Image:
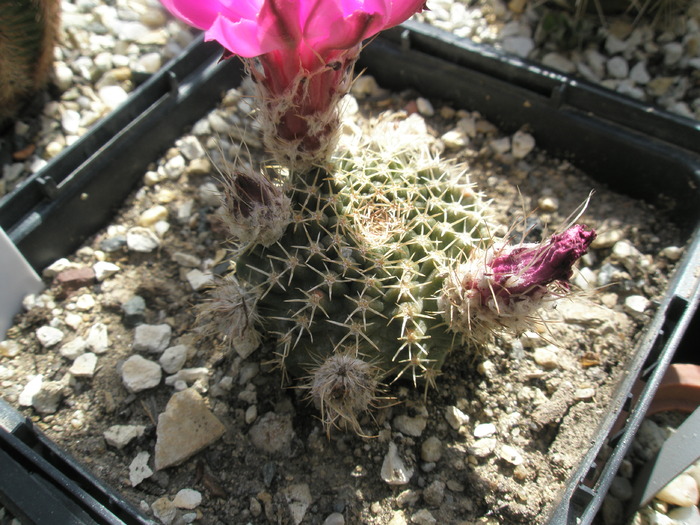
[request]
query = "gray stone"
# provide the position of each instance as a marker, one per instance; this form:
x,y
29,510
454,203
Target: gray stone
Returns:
x,y
434,493
518,45
140,374
423,517
84,365
431,450
298,499
334,519
134,310
173,358
617,67
187,499
152,338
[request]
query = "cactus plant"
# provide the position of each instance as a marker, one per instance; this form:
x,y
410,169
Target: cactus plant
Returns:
x,y
28,31
375,271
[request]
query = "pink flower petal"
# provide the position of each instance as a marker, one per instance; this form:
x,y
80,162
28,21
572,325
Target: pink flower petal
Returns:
x,y
199,14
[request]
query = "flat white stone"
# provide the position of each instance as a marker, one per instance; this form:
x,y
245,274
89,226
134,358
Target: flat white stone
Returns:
x,y
394,470
173,358
98,338
199,279
484,430
186,427
455,417
140,374
73,348
119,436
84,365
104,270
152,338
49,336
522,144
187,499
30,389
139,469
140,239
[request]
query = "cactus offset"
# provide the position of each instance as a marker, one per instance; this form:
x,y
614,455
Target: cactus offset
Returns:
x,y
28,31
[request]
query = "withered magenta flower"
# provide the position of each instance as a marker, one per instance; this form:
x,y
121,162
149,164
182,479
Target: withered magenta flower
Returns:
x,y
504,286
301,53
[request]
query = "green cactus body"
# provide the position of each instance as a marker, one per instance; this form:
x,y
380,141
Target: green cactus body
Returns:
x,y
362,263
28,30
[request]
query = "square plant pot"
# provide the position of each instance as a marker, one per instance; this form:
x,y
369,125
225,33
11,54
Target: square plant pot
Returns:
x,y
636,150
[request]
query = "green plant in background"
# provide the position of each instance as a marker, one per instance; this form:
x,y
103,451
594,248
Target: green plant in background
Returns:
x,y
28,32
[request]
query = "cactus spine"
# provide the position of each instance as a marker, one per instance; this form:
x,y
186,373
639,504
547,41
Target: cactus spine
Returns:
x,y
28,31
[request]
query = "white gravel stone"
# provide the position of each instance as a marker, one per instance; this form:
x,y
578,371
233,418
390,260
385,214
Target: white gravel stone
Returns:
x,y
187,499
187,260
511,455
455,417
140,374
299,499
70,121
617,67
636,304
85,302
685,515
140,239
49,396
49,336
410,426
673,52
164,510
639,74
30,389
104,270
394,470
501,145
547,357
483,447
188,376
173,358
682,491
150,62
455,139
112,96
186,427
9,349
84,365
424,106
152,215
119,436
559,62
199,280
139,469
334,519
98,338
522,144
518,45
153,338
484,430
431,450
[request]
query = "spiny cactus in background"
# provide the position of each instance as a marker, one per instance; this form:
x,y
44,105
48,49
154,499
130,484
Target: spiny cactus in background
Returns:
x,y
383,263
28,31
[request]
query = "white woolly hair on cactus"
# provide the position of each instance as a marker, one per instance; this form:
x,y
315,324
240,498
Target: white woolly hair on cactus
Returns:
x,y
343,387
230,312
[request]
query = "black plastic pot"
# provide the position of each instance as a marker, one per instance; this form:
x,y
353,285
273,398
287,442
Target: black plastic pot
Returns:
x,y
634,149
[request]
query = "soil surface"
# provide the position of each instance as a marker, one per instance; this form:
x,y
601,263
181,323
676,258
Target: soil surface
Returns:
x,y
544,393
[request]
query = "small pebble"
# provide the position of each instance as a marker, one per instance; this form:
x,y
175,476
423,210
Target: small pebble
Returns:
x,y
139,469
187,499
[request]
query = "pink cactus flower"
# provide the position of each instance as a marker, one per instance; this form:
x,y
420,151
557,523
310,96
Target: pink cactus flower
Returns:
x,y
301,53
